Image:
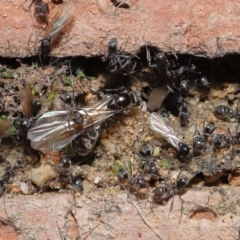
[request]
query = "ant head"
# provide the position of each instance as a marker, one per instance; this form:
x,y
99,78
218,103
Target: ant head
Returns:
x,y
46,43
203,82
66,98
209,128
65,161
184,149
182,182
76,182
112,45
25,123
36,107
123,174
161,58
146,150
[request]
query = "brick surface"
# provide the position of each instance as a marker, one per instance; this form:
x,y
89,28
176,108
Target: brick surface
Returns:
x,y
104,215
204,28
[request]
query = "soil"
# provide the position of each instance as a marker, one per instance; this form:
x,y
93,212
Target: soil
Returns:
x,y
118,147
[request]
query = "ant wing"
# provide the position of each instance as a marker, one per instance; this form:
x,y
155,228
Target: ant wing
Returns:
x,y
157,97
52,131
160,125
56,129
5,128
60,20
54,142
26,100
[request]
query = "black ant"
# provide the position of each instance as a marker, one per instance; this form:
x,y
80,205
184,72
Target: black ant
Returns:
x,y
168,190
184,152
134,184
150,166
76,116
209,129
41,11
184,88
120,60
64,168
76,182
123,174
178,106
222,141
5,179
200,141
186,79
184,114
202,82
162,68
223,111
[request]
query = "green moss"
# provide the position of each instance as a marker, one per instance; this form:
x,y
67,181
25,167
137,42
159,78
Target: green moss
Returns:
x,y
3,116
166,163
81,74
7,74
51,96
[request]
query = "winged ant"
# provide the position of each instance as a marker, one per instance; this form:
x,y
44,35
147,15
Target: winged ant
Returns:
x,y
162,126
56,129
60,20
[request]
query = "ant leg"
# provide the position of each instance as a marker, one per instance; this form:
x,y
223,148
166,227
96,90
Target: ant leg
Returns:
x,y
4,200
171,206
149,59
181,211
21,6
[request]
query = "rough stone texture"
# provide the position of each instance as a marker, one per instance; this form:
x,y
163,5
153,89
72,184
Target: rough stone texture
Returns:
x,y
212,214
204,28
